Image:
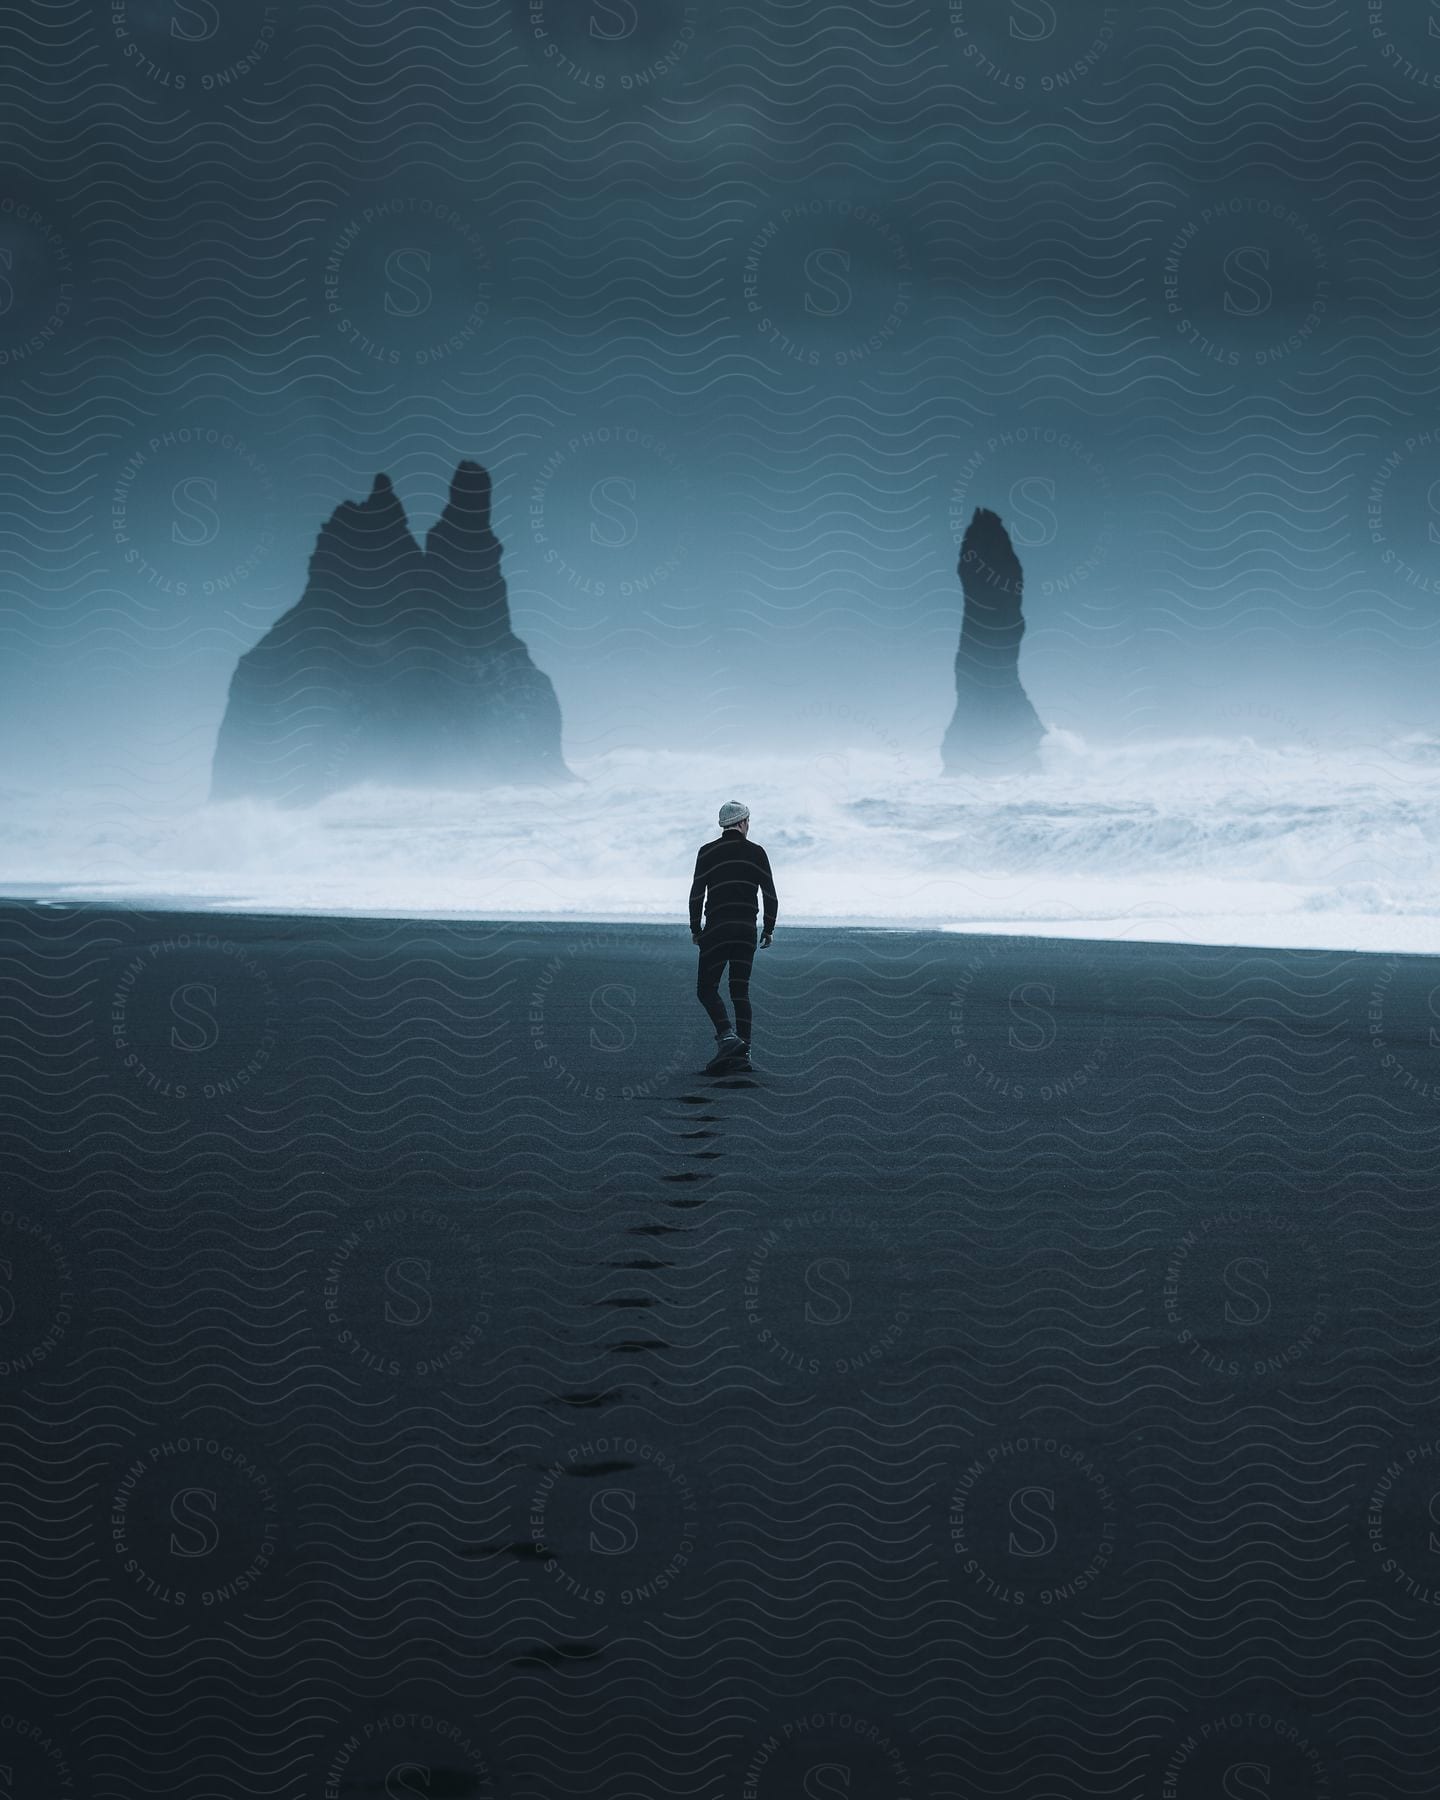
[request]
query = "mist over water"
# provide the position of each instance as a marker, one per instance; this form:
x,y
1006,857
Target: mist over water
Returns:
x,y
1218,840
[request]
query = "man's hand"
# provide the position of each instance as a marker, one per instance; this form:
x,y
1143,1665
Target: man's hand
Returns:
x,y
694,937
765,941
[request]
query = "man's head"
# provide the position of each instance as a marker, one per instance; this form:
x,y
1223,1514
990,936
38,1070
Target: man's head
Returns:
x,y
735,816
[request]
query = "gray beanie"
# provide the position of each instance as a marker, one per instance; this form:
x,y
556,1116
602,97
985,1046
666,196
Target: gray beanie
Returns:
x,y
732,812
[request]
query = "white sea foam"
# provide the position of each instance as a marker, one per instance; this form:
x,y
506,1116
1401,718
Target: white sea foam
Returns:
x,y
1202,840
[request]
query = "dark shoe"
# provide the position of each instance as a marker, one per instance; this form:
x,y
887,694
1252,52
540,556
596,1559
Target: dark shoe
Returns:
x,y
727,1048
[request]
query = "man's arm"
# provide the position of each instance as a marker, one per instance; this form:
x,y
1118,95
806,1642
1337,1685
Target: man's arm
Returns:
x,y
697,896
767,894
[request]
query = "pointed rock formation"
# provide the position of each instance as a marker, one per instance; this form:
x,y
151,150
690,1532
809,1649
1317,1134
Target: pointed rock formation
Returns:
x,y
397,665
995,730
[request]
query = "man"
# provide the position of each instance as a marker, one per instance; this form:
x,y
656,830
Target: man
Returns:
x,y
730,873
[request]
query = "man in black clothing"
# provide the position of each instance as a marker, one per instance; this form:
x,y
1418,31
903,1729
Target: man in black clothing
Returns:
x,y
730,874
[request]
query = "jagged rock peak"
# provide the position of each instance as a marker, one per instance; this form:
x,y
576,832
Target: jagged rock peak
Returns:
x,y
394,666
381,502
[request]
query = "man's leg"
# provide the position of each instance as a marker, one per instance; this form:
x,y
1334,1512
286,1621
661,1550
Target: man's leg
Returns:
x,y
714,952
742,958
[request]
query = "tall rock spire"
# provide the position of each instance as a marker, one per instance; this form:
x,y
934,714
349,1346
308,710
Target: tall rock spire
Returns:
x,y
396,665
995,730
462,559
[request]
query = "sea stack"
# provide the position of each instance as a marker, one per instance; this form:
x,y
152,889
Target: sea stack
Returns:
x,y
397,665
995,730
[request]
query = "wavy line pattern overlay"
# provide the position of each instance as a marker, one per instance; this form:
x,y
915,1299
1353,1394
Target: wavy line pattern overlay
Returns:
x,y
417,1378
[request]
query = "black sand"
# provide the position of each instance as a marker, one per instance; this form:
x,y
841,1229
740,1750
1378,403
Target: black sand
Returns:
x,y
419,1379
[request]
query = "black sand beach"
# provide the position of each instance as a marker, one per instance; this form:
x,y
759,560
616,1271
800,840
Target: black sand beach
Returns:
x,y
420,1379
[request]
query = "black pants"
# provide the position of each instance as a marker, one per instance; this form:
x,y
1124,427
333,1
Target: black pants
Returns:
x,y
723,945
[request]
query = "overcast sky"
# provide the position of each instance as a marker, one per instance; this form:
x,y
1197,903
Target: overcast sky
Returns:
x,y
747,308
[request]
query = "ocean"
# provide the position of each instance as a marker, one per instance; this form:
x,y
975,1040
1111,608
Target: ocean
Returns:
x,y
1198,840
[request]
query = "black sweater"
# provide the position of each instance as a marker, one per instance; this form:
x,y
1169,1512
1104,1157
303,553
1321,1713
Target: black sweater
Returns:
x,y
730,872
